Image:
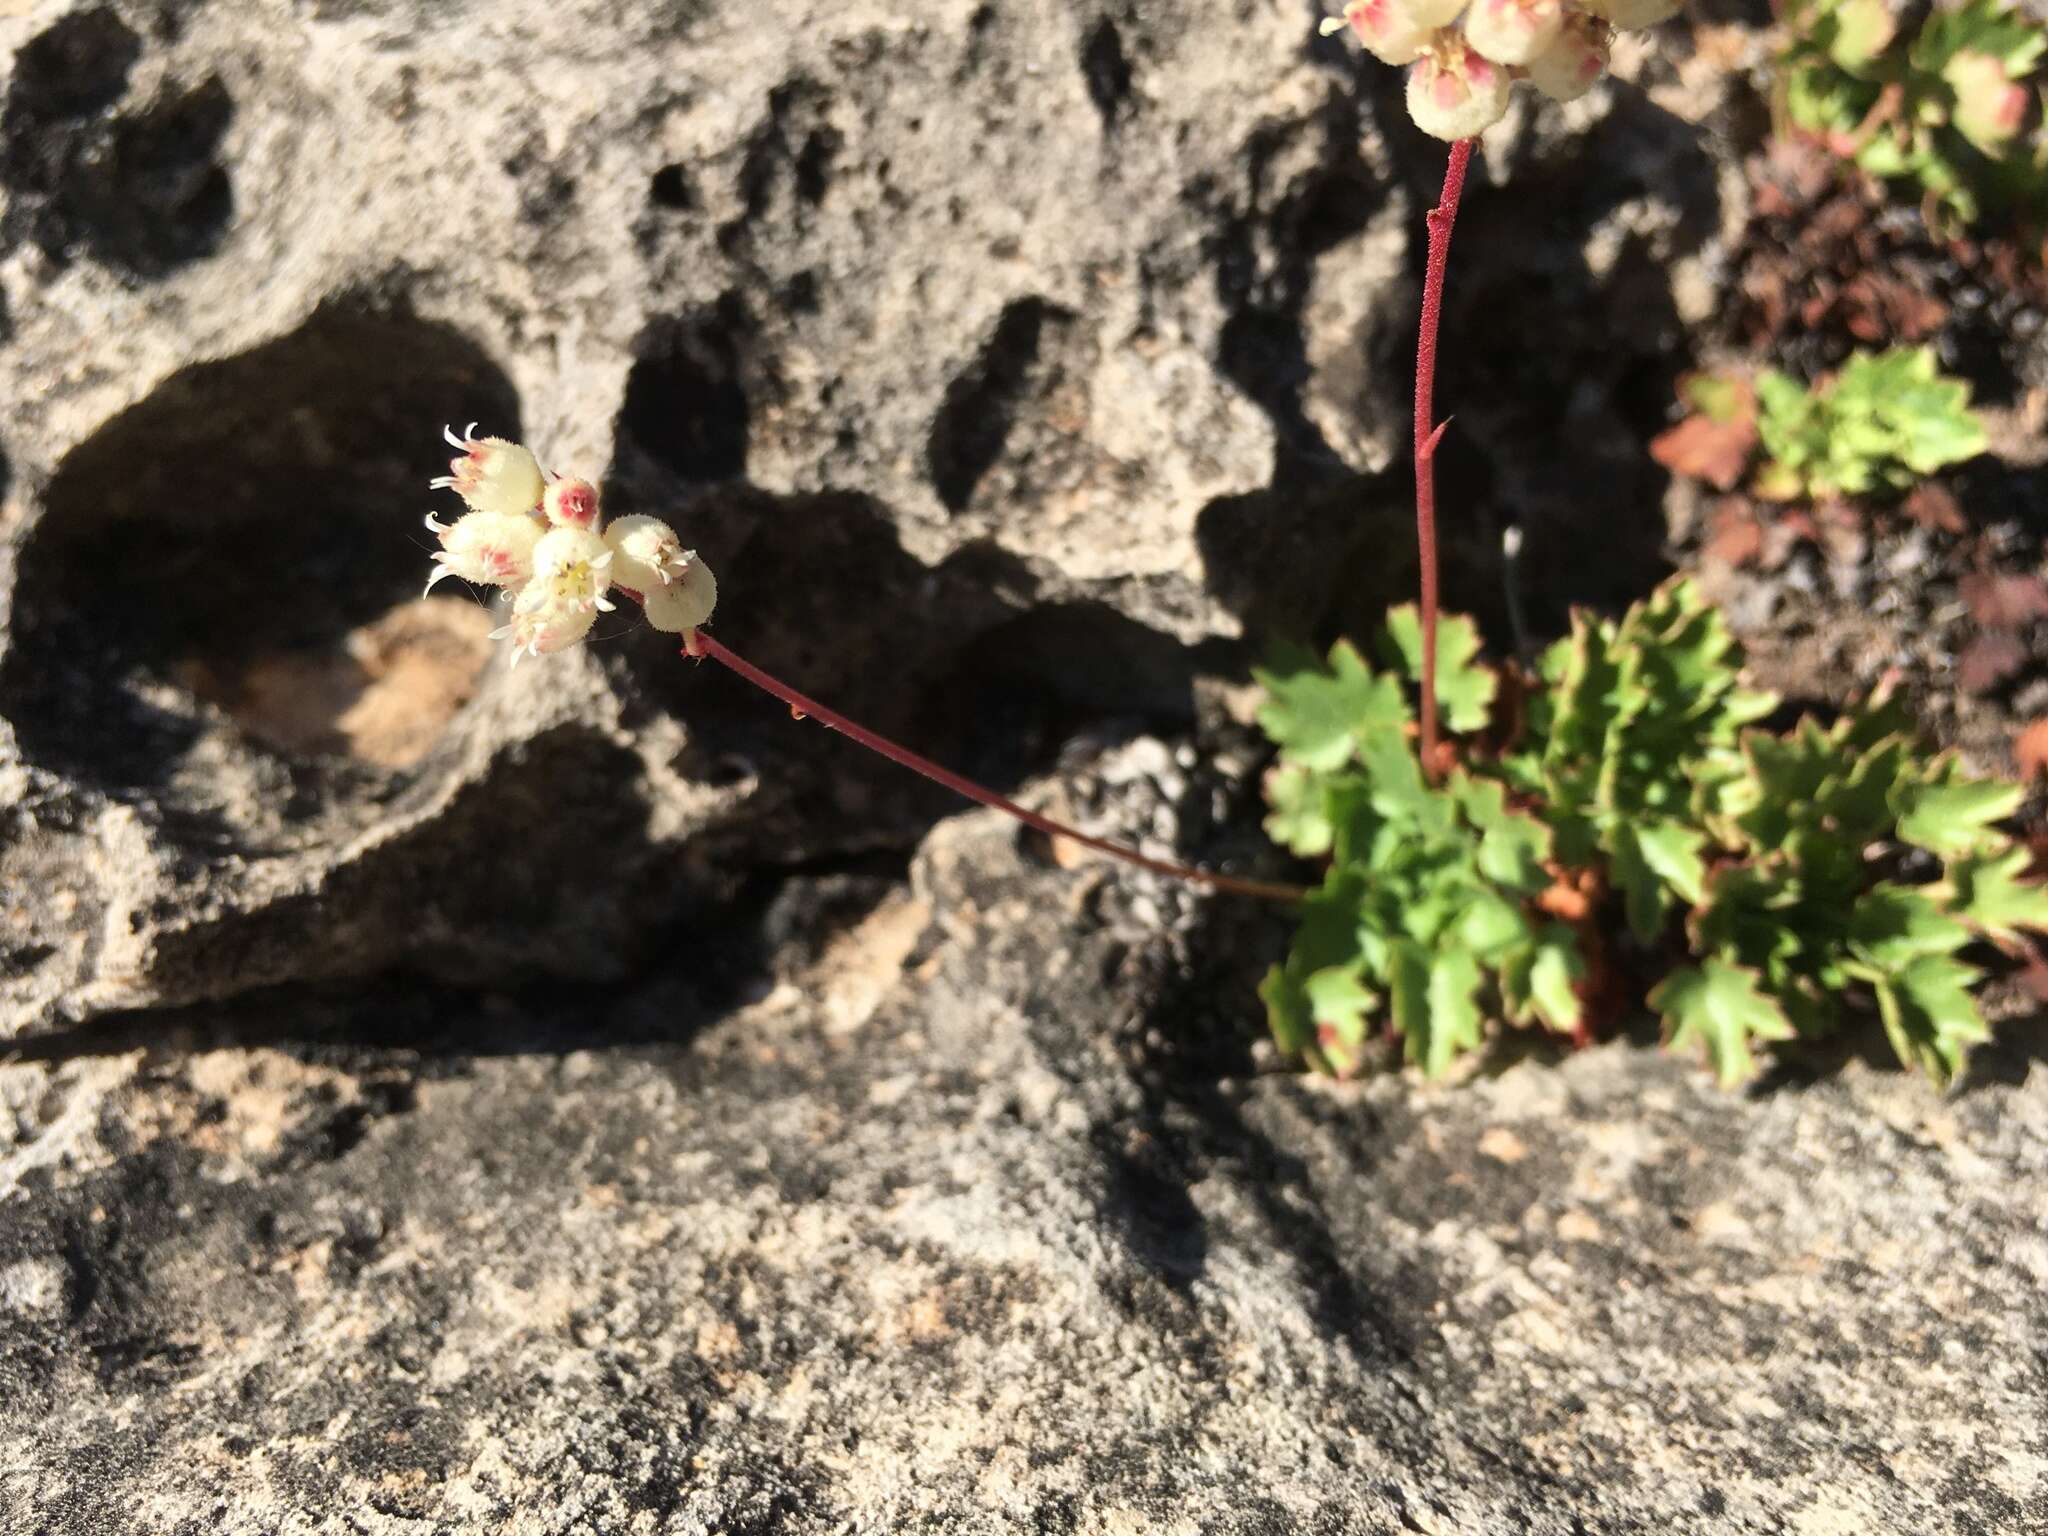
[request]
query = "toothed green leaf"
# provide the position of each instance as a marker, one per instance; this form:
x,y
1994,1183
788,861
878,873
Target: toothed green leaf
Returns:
x,y
1930,1016
1300,820
1950,815
1720,1009
1541,981
1434,1005
1316,715
1464,687
1991,894
1893,925
1340,1005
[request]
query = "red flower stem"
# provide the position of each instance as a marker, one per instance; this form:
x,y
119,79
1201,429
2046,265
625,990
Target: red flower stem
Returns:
x,y
701,644
1428,432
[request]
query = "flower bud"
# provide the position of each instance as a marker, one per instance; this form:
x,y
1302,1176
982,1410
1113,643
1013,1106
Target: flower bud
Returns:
x,y
577,563
1513,31
495,548
684,603
1566,70
492,475
547,616
1392,31
646,553
1990,106
1630,14
571,503
1454,93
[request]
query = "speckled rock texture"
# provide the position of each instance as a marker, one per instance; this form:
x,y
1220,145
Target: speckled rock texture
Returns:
x,y
435,1097
974,1215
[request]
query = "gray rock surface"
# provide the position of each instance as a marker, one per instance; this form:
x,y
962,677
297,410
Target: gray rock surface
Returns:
x,y
976,1217
578,1098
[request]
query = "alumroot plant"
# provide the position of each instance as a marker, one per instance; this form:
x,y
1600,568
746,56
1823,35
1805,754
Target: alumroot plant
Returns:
x,y
544,539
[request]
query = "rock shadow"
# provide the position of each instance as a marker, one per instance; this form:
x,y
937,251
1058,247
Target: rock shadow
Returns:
x,y
265,504
143,189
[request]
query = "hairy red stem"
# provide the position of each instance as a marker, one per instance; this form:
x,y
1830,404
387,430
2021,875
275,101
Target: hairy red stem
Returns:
x,y
701,644
1427,431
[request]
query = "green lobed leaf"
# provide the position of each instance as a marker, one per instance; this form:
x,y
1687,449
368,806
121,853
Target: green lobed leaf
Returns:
x,y
1930,1016
1513,846
1316,715
1300,819
1721,1009
1341,1006
1891,926
1464,687
1950,815
1436,1008
1990,894
1541,981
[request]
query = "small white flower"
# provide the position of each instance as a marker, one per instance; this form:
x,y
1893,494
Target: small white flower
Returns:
x,y
1513,31
492,475
646,553
1453,91
1629,14
1391,30
571,503
576,564
494,548
1566,70
684,603
547,616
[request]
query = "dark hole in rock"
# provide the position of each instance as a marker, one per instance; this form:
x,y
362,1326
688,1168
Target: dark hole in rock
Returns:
x,y
76,68
974,421
244,531
671,189
1106,69
143,191
686,403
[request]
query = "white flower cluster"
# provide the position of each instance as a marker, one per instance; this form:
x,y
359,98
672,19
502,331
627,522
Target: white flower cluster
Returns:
x,y
1458,81
541,538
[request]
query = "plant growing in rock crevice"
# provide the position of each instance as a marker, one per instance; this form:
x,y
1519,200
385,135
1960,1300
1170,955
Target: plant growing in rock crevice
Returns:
x,y
1765,880
1948,109
1864,437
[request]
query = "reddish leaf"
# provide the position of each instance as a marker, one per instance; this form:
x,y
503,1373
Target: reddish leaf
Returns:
x,y
2034,977
1934,506
2004,602
1737,537
2030,751
1713,443
1989,660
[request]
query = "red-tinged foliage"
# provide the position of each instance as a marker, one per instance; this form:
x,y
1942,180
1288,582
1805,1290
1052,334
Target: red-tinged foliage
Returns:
x,y
1989,660
1716,441
1998,601
2030,752
1933,505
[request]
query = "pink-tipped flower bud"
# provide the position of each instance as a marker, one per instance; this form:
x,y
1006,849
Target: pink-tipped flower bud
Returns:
x,y
571,503
1630,14
576,562
646,553
1453,92
1513,31
495,548
1392,31
684,603
1990,105
492,475
1577,57
548,615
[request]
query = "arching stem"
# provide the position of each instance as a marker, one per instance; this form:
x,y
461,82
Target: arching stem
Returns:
x,y
701,644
